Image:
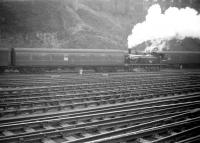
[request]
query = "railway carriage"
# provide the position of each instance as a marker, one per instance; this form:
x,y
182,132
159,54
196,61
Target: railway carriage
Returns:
x,y
5,58
72,59
183,59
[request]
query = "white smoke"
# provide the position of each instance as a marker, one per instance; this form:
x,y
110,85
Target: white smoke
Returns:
x,y
174,23
156,45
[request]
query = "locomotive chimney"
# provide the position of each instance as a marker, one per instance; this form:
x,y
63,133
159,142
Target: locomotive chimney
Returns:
x,y
129,51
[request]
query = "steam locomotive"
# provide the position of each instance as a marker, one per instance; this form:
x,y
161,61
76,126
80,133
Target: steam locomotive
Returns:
x,y
43,59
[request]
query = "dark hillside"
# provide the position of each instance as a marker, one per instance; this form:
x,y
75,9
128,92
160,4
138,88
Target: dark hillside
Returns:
x,y
30,16
56,24
70,23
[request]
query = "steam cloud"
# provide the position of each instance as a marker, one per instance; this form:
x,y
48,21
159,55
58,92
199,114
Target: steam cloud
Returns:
x,y
160,27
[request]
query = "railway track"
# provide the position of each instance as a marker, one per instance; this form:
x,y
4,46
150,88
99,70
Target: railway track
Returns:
x,y
144,108
169,132
80,123
15,106
110,107
60,79
82,86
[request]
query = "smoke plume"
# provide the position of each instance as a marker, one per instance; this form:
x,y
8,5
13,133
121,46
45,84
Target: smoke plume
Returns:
x,y
160,27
